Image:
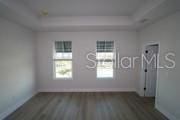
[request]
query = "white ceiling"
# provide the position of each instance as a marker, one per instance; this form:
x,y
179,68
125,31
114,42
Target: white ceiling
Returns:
x,y
73,15
85,7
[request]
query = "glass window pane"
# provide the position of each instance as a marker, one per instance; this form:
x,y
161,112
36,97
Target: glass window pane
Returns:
x,y
105,46
63,56
63,69
109,46
101,46
63,46
105,55
105,70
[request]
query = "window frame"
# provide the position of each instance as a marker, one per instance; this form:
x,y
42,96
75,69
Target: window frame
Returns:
x,y
54,68
113,60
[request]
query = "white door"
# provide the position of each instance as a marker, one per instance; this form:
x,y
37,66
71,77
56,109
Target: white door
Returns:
x,y
151,70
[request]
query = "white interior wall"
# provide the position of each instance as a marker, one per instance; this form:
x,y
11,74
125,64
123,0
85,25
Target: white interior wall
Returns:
x,y
17,68
84,79
165,32
19,56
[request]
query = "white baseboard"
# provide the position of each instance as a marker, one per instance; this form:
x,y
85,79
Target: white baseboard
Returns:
x,y
166,113
90,90
14,107
139,93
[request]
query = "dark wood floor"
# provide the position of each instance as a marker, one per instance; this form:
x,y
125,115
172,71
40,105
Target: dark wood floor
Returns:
x,y
87,106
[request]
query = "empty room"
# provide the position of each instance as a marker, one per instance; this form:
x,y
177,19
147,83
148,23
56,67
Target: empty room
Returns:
x,y
89,60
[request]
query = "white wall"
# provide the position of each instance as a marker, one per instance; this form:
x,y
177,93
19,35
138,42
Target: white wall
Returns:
x,y
84,79
167,33
17,70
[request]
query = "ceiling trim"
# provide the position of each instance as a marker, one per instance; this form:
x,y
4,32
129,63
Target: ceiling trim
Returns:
x,y
151,11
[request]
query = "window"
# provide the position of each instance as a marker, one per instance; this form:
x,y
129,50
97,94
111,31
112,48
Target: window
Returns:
x,y
63,59
105,59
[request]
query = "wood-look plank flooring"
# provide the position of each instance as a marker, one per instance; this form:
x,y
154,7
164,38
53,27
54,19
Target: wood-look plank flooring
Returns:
x,y
87,106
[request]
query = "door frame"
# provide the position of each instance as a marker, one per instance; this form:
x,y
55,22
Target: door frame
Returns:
x,y
157,81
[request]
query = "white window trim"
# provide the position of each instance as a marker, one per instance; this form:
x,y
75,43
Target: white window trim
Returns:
x,y
54,71
114,70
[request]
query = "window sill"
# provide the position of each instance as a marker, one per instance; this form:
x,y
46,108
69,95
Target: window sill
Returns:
x,y
63,78
106,78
